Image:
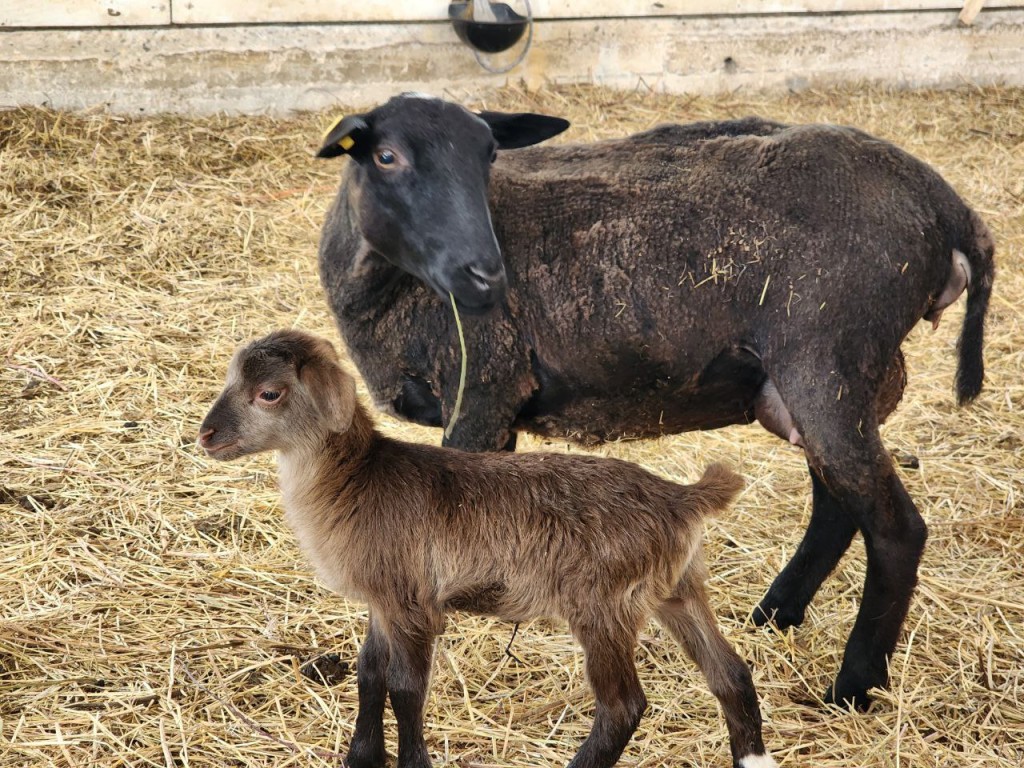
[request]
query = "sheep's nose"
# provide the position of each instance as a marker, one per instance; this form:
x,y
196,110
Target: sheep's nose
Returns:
x,y
205,435
485,281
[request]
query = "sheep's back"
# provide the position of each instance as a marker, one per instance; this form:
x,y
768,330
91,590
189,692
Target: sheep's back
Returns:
x,y
685,238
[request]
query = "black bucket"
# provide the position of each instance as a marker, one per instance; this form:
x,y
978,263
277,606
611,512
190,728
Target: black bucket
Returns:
x,y
487,36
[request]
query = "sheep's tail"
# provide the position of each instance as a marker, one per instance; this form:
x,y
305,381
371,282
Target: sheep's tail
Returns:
x,y
971,367
715,490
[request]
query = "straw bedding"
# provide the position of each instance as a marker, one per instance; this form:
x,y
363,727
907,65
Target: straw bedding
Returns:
x,y
154,609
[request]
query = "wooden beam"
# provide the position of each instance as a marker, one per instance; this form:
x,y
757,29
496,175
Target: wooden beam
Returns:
x,y
85,13
969,11
126,13
384,11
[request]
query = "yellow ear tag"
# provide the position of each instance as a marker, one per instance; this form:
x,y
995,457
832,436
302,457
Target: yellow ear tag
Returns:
x,y
347,142
334,125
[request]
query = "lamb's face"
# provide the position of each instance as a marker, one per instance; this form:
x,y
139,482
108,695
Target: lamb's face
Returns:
x,y
252,412
283,392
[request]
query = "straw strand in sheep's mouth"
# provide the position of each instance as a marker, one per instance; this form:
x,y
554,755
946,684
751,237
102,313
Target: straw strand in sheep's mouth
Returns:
x,y
462,371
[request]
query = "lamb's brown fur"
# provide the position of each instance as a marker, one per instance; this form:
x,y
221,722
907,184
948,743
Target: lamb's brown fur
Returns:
x,y
418,530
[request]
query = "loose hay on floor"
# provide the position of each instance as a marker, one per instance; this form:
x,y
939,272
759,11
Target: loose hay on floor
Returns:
x,y
155,611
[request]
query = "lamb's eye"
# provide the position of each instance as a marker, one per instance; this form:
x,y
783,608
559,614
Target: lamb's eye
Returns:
x,y
385,157
269,395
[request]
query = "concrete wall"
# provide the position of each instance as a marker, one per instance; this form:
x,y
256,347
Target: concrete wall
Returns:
x,y
282,67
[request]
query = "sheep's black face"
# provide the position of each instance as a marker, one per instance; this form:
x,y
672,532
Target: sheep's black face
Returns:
x,y
424,168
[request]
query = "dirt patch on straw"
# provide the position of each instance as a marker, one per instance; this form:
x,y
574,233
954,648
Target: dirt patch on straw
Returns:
x,y
154,609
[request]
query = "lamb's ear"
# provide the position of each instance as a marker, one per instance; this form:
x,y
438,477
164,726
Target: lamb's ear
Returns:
x,y
333,389
346,134
522,129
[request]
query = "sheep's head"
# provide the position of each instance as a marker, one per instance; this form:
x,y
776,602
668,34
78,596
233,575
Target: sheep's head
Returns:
x,y
422,168
284,392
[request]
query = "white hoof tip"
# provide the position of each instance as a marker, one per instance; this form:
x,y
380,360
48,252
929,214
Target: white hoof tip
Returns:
x,y
758,761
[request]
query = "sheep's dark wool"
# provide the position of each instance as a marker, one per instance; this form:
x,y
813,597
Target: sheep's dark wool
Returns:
x,y
689,277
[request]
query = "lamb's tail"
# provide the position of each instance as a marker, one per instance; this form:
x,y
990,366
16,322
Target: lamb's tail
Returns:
x,y
715,490
971,367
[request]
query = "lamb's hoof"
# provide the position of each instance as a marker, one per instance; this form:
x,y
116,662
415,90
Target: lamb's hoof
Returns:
x,y
777,614
365,757
419,760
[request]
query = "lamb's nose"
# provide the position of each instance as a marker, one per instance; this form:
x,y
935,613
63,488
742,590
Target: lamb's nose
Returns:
x,y
205,435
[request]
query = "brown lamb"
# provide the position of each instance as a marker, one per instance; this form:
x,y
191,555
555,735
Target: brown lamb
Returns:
x,y
416,531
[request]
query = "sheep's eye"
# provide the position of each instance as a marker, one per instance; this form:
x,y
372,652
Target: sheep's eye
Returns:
x,y
269,395
385,157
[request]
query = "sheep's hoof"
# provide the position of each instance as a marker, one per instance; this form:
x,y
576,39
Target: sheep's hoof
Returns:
x,y
776,614
327,669
855,696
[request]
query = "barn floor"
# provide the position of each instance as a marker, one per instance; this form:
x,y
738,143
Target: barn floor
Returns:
x,y
155,611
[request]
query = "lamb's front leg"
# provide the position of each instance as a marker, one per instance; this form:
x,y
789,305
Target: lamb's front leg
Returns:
x,y
412,649
367,747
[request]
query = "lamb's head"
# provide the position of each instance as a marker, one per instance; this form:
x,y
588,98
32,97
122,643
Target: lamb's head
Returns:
x,y
284,392
419,186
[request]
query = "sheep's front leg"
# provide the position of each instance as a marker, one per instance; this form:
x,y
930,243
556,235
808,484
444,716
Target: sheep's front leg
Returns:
x,y
412,649
367,747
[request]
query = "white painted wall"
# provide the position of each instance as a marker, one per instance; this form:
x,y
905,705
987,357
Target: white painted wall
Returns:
x,y
140,62
84,13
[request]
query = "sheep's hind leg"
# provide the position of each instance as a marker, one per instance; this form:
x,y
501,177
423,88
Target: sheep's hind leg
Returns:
x,y
894,535
367,747
830,530
828,536
688,618
620,699
845,452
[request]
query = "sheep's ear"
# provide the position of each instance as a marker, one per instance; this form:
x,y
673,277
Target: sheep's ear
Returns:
x,y
345,135
522,129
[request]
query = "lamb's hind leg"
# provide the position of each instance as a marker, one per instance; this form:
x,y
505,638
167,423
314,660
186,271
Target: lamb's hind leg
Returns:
x,y
608,647
838,420
688,617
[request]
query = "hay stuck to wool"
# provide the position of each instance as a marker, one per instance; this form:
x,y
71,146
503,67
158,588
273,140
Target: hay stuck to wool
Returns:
x,y
154,610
